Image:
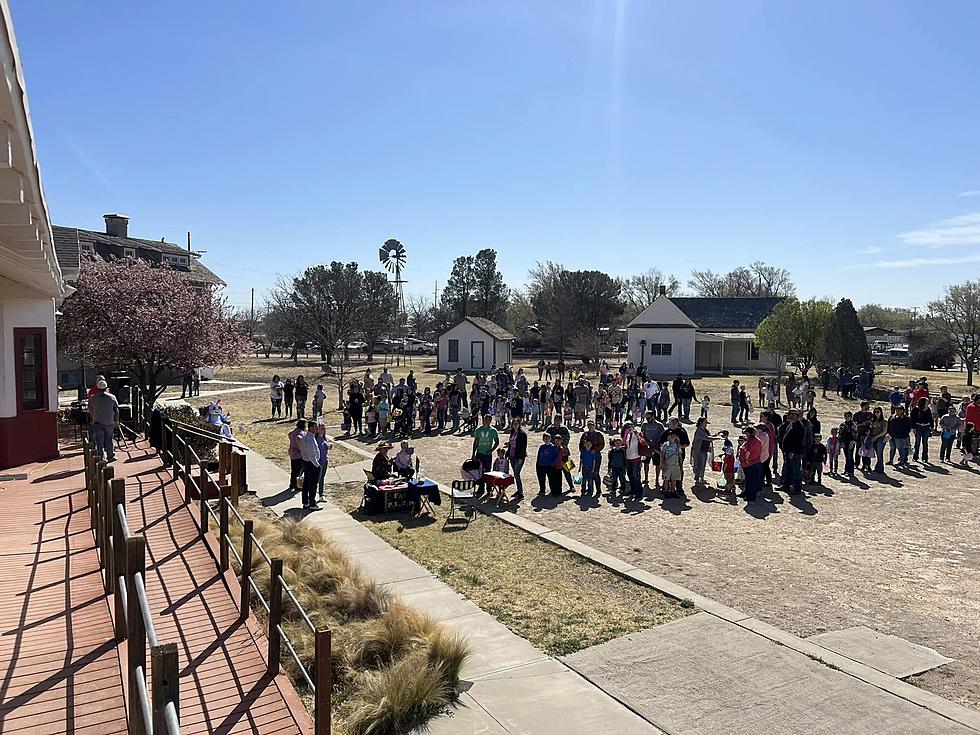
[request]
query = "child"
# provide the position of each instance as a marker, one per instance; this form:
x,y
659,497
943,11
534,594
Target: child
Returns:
x,y
535,413
726,442
384,410
811,396
371,416
816,456
896,398
617,466
502,465
966,442
728,468
670,461
833,450
705,405
567,411
590,478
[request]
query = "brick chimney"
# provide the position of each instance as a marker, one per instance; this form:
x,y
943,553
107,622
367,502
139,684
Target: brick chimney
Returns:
x,y
116,225
663,289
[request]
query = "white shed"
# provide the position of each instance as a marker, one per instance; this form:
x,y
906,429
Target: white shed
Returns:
x,y
476,345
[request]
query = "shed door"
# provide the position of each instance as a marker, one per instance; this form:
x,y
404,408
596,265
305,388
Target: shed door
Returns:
x,y
476,355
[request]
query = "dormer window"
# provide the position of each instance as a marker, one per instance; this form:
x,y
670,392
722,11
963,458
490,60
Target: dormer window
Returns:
x,y
87,247
129,252
176,261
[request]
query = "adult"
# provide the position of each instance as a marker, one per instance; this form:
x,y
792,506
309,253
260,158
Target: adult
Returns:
x,y
631,444
187,384
899,428
485,442
517,454
310,454
878,431
323,445
675,391
95,386
103,412
749,459
381,465
287,398
652,431
558,429
687,396
548,456
773,417
922,425
596,441
301,390
540,367
736,408
356,406
700,448
296,453
792,445
275,395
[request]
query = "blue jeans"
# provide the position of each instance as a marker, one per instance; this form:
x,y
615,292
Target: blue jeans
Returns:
x,y
101,435
311,473
633,472
902,447
618,475
735,410
922,441
515,467
792,471
590,481
323,475
879,447
946,446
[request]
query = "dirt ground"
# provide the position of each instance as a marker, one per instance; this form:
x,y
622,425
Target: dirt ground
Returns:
x,y
899,554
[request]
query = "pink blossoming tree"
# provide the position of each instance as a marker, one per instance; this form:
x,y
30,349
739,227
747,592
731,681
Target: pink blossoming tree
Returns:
x,y
148,320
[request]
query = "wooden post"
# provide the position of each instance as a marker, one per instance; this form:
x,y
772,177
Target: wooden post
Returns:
x,y
136,638
110,539
94,500
224,462
187,471
275,616
165,684
247,569
164,443
202,489
223,539
239,478
323,683
118,556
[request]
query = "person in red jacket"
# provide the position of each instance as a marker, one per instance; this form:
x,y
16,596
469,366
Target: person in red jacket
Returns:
x,y
973,411
750,460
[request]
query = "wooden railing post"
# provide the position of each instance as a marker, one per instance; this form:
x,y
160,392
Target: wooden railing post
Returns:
x,y
247,569
275,616
136,630
108,544
239,478
93,504
202,490
224,462
223,539
118,556
164,442
187,471
323,683
165,685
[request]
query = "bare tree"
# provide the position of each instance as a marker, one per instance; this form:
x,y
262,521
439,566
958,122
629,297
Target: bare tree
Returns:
x,y
641,290
757,279
957,317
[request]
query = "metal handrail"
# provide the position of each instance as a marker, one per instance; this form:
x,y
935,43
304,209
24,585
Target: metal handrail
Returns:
x,y
299,607
299,664
151,633
144,700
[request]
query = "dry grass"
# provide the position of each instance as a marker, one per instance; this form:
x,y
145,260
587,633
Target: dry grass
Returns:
x,y
553,598
393,666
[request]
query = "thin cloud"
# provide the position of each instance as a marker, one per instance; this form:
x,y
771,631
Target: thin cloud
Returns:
x,y
962,230
870,250
914,263
970,193
87,162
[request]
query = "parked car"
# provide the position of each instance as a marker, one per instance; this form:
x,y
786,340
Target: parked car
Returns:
x,y
418,346
383,346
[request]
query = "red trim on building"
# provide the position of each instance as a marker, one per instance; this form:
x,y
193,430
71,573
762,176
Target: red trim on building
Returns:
x,y
29,437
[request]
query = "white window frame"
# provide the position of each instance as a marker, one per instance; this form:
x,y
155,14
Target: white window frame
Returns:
x,y
129,252
663,349
179,261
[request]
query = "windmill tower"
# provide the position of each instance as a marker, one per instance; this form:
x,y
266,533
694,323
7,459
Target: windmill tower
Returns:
x,y
393,257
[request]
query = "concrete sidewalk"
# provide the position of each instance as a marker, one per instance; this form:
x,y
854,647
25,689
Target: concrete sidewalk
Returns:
x,y
508,685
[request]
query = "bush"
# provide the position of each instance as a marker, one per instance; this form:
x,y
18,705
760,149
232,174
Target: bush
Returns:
x,y
204,448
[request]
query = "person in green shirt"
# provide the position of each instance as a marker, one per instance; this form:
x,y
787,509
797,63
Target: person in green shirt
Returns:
x,y
485,441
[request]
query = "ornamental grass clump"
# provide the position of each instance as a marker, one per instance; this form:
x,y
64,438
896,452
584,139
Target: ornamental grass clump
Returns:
x,y
393,665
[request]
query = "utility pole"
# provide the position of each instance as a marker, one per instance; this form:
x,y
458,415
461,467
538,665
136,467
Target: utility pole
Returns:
x,y
435,292
251,319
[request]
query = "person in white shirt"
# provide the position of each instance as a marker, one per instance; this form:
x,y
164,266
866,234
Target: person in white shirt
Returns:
x,y
650,390
310,453
275,395
403,460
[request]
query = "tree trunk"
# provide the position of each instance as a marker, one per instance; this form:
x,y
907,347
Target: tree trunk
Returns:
x,y
323,355
969,372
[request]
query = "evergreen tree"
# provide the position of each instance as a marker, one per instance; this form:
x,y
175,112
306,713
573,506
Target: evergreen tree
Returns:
x,y
458,291
845,342
490,295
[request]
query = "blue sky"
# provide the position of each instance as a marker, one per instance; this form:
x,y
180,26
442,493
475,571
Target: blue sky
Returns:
x,y
840,140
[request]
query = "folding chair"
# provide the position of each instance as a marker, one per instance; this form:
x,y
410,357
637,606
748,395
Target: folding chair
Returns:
x,y
462,498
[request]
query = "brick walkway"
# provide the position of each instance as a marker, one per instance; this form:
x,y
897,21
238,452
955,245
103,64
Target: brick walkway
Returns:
x,y
60,670
59,663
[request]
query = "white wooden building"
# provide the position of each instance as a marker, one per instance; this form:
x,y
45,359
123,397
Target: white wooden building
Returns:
x,y
691,335
476,345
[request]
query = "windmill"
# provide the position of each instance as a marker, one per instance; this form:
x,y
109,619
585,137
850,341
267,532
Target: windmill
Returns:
x,y
393,257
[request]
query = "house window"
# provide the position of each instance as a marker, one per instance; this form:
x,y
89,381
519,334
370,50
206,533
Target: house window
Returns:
x,y
753,351
129,252
454,350
87,247
30,369
177,261
660,348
